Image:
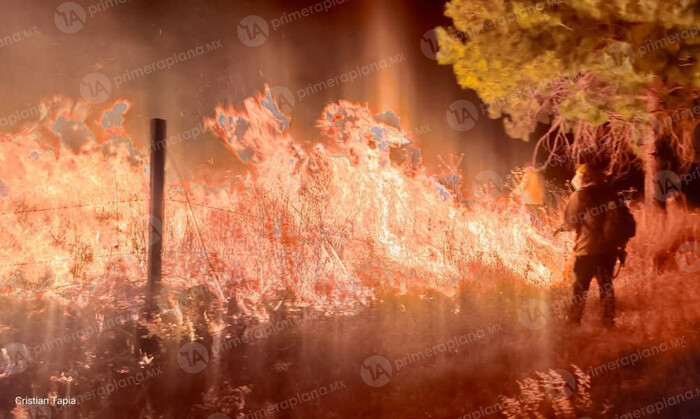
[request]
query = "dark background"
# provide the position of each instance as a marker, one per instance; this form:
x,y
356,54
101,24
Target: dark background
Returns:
x,y
357,32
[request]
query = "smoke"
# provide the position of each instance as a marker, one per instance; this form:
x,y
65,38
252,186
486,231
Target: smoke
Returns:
x,y
177,60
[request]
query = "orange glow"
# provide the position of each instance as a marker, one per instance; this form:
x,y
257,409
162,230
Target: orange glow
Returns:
x,y
335,224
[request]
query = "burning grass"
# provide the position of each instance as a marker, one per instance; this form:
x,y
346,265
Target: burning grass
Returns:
x,y
331,225
306,235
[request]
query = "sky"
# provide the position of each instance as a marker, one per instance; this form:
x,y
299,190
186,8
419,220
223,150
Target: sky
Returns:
x,y
235,48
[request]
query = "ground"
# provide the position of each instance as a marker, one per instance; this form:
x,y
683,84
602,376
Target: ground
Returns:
x,y
499,339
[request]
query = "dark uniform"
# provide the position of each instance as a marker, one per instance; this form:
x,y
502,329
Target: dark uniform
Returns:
x,y
595,255
691,187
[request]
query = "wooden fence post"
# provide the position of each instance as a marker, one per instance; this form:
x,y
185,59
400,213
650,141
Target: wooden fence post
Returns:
x,y
155,227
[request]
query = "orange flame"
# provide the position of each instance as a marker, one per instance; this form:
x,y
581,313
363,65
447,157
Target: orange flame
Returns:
x,y
334,225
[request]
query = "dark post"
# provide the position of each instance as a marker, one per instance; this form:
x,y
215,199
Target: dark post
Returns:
x,y
155,227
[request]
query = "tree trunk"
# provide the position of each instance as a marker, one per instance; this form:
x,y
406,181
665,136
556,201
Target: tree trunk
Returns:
x,y
653,132
650,166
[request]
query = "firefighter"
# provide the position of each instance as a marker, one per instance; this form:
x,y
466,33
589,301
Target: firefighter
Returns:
x,y
603,225
691,186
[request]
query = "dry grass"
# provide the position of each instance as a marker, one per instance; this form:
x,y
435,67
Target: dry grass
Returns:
x,y
396,272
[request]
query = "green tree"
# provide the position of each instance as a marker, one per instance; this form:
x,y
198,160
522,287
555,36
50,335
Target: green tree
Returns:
x,y
607,76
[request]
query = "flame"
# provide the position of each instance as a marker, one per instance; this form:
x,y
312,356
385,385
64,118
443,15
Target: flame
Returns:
x,y
334,224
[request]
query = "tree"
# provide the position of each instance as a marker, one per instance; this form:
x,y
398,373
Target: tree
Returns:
x,y
612,78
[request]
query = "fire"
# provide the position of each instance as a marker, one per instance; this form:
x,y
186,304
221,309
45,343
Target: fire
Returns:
x,y
334,224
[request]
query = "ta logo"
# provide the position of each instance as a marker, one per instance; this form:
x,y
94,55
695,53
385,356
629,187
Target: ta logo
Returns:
x,y
666,184
376,371
688,256
193,357
284,98
462,115
488,184
15,358
70,17
253,31
155,229
533,314
619,57
429,44
95,88
561,385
